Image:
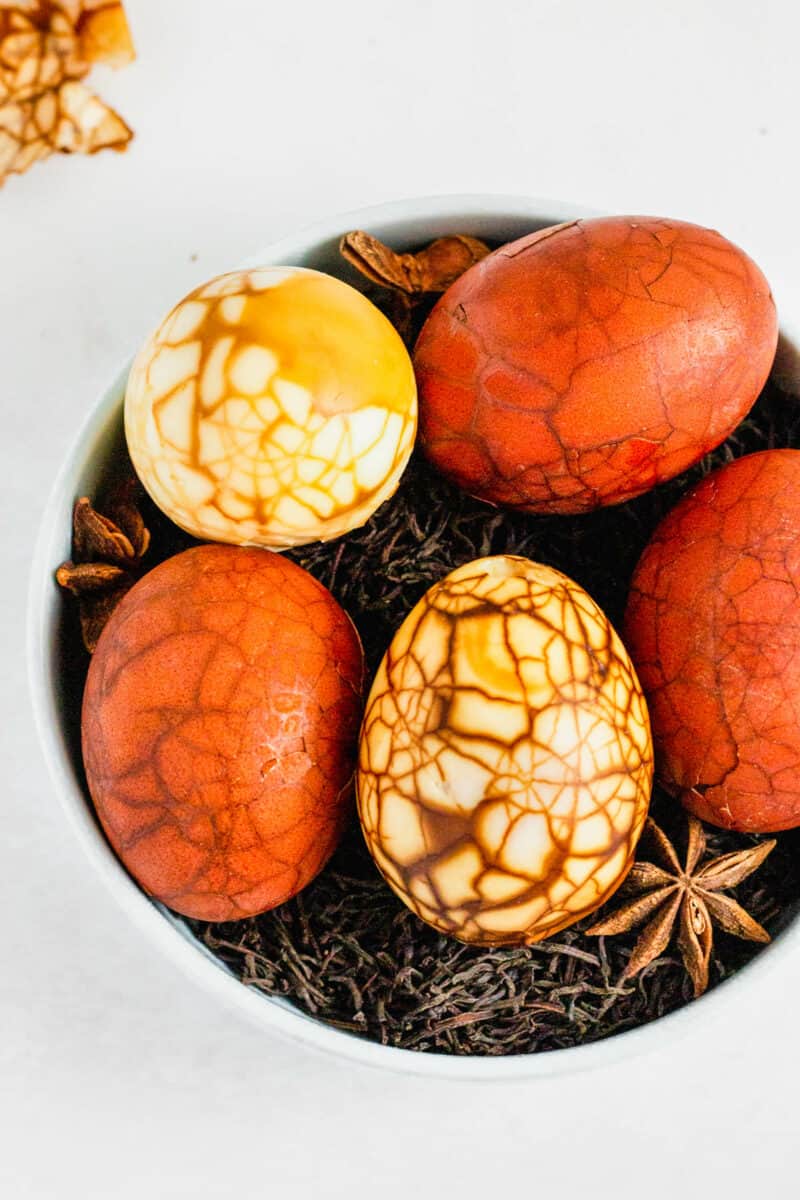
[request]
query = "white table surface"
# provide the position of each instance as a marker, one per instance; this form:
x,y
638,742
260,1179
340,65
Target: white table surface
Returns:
x,y
117,1077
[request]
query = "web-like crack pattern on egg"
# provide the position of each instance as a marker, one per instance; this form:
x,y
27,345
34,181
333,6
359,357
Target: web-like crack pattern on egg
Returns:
x,y
271,407
713,622
584,364
219,729
505,762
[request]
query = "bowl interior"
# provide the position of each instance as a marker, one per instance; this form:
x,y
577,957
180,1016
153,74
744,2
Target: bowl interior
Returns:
x,y
56,671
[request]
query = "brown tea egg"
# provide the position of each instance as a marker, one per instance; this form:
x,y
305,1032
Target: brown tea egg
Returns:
x,y
219,730
713,624
505,761
586,363
271,407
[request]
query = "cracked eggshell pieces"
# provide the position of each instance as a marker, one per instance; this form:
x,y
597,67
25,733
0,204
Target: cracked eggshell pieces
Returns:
x,y
272,407
505,761
713,625
586,363
220,723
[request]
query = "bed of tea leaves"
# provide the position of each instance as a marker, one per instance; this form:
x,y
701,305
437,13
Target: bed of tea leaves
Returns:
x,y
346,950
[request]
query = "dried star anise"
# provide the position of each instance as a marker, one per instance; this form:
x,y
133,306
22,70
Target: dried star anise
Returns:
x,y
106,558
410,278
430,270
689,895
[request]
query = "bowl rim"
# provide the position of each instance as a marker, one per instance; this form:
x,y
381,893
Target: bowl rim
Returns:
x,y
163,928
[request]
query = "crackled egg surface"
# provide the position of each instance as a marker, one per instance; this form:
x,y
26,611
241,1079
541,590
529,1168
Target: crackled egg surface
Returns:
x,y
586,363
271,407
505,762
713,623
219,730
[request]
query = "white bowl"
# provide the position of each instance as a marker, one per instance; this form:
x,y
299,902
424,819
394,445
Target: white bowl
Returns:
x,y
56,706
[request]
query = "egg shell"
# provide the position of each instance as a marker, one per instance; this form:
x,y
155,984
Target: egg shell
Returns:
x,y
586,363
505,760
713,625
271,407
220,721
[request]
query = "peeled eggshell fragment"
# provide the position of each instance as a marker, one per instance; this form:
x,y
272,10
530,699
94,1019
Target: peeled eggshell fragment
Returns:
x,y
586,363
220,722
272,407
713,625
505,760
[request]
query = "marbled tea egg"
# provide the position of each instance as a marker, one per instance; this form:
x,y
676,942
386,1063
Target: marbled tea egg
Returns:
x,y
271,407
505,762
220,727
586,363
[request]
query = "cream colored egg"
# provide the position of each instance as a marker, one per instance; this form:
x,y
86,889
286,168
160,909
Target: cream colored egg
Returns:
x,y
271,407
505,763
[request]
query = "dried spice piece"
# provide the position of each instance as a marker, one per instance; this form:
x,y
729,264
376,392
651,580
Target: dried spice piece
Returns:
x,y
432,269
46,49
106,557
687,895
406,285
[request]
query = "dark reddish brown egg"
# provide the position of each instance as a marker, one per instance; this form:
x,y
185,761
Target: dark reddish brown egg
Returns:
x,y
584,364
220,721
713,626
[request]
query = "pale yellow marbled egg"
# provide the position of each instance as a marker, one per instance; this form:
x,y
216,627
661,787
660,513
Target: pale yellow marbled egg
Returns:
x,y
271,407
505,762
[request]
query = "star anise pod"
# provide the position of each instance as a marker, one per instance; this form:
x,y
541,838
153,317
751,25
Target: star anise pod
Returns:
x,y
432,269
407,280
107,552
690,895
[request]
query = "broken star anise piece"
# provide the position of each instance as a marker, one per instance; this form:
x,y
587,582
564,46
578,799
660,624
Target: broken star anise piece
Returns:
x,y
689,895
107,552
430,270
405,285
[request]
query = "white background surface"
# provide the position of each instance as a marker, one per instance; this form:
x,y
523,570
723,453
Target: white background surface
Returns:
x,y
117,1078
